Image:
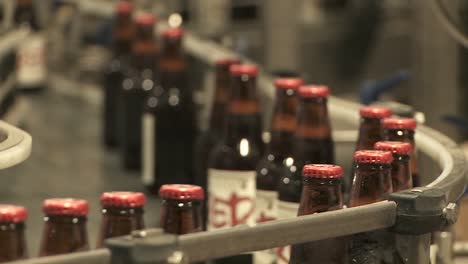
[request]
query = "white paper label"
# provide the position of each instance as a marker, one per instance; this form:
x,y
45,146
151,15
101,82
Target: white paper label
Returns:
x,y
285,210
232,198
266,206
31,62
148,148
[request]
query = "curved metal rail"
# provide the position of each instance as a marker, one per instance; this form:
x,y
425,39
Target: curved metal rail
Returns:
x,y
15,148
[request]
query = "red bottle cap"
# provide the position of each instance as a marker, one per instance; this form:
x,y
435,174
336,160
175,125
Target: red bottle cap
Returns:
x,y
325,171
314,91
243,69
65,206
12,213
396,147
123,199
399,123
375,112
289,83
124,7
145,19
373,156
173,33
181,192
226,62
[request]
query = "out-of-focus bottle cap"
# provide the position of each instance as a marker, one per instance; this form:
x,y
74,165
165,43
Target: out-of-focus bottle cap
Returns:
x,y
288,83
181,192
399,123
314,91
12,213
375,112
123,199
373,156
325,171
65,206
396,147
243,69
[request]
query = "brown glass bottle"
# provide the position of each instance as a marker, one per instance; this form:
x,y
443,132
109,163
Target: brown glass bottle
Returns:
x,y
122,37
139,80
271,166
181,208
169,122
231,173
401,170
403,129
371,184
322,184
64,226
370,128
372,168
312,144
207,139
122,213
12,238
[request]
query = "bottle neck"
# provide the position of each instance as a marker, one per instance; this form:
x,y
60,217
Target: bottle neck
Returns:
x,y
403,135
370,184
172,57
370,132
64,234
123,34
312,119
12,242
120,221
181,217
243,119
401,173
321,195
221,97
145,49
283,125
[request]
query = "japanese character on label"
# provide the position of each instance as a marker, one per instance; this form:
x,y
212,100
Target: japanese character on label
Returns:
x,y
227,213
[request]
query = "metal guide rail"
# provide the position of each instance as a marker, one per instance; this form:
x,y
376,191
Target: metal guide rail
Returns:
x,y
15,145
411,215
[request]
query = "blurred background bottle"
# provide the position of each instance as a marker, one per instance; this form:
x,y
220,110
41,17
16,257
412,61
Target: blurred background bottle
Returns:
x,y
122,213
64,226
271,166
401,166
370,127
139,80
31,65
208,139
403,129
312,144
12,233
231,173
169,120
122,37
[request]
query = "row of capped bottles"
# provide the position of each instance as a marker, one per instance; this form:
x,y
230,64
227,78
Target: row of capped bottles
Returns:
x,y
247,181
247,187
122,212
